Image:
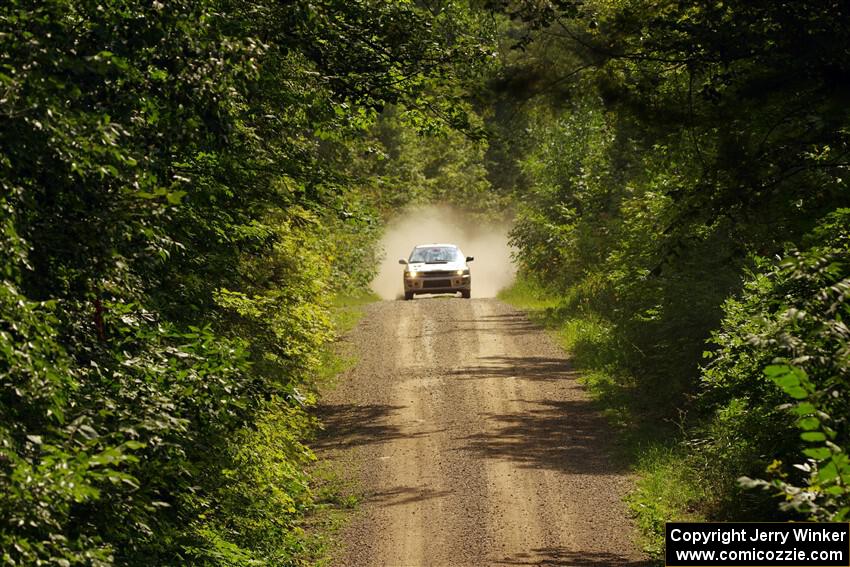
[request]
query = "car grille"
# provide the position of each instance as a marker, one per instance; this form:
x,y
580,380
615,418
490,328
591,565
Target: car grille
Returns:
x,y
436,283
439,273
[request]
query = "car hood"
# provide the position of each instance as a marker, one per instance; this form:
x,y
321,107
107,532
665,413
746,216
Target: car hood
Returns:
x,y
423,267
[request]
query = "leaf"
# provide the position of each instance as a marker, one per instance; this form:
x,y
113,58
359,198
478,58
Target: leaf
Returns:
x,y
797,393
174,197
828,472
790,378
786,381
813,436
817,453
803,408
774,370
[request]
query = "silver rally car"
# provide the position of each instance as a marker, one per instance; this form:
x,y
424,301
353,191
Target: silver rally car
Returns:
x,y
437,268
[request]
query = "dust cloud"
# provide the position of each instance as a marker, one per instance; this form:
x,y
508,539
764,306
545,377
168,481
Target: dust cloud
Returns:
x,y
491,271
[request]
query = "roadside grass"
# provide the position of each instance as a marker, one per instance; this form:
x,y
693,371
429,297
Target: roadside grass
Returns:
x,y
667,488
334,501
334,489
345,311
523,294
666,491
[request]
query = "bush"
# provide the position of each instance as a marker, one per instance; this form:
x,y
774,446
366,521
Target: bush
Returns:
x,y
783,363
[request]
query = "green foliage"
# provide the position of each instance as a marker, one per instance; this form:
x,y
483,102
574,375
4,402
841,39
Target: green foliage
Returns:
x,y
783,356
656,170
403,164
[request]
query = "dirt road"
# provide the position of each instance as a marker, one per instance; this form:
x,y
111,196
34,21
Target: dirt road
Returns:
x,y
473,443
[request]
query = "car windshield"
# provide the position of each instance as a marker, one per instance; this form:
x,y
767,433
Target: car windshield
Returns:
x,y
434,254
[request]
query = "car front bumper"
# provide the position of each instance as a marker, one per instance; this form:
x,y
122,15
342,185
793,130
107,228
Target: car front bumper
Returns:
x,y
423,283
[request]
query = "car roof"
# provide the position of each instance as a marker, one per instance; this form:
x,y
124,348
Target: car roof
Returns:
x,y
429,245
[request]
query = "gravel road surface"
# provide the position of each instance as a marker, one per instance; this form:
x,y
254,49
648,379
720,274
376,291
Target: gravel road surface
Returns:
x,y
473,444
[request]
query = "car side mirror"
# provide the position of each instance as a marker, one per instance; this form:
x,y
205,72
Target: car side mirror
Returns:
x,y
402,261
470,258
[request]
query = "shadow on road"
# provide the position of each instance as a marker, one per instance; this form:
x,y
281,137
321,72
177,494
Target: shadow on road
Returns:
x,y
507,324
521,368
566,436
351,425
399,495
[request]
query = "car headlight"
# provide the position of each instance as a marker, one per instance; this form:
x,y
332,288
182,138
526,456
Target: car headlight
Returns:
x,y
462,272
410,274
